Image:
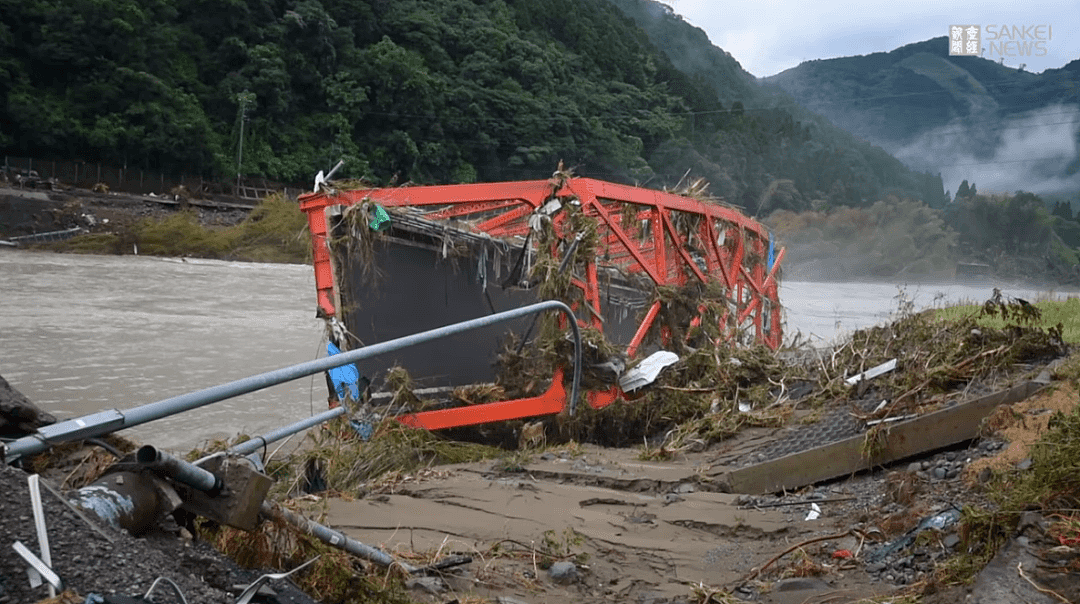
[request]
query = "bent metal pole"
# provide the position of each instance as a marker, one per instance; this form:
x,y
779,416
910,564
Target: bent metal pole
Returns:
x,y
331,537
180,470
91,426
258,442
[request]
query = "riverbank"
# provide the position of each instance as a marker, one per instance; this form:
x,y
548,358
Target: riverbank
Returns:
x,y
175,225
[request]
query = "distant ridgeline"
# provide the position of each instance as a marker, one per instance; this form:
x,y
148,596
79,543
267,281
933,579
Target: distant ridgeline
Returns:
x,y
428,91
968,117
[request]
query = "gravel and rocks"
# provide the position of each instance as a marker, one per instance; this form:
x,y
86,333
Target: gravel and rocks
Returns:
x,y
898,494
18,415
90,563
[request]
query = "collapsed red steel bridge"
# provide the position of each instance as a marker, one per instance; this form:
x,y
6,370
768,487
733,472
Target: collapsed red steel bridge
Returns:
x,y
724,246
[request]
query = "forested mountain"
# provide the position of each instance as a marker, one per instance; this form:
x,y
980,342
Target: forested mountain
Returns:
x,y
968,117
431,91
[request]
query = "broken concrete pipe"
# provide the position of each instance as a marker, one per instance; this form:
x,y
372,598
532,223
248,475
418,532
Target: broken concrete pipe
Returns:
x,y
181,471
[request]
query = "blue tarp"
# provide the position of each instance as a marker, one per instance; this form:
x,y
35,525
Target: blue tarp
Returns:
x,y
772,248
344,377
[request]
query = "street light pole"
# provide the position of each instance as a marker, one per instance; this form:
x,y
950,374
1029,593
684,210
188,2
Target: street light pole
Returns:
x,y
244,98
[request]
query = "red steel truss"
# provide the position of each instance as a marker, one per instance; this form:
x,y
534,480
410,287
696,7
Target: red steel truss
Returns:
x,y
720,244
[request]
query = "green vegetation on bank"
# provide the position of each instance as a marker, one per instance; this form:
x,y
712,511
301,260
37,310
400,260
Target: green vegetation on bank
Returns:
x,y
893,238
1016,235
1051,313
1050,486
275,231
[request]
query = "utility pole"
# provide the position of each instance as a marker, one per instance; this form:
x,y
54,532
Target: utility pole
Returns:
x,y
245,98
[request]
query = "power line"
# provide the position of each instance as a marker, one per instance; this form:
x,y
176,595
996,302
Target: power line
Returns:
x,y
1004,82
958,130
1008,161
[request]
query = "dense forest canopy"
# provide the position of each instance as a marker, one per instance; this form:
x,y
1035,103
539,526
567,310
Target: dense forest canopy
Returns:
x,y
415,90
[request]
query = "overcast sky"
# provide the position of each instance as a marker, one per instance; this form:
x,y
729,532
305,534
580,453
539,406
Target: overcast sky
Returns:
x,y
769,36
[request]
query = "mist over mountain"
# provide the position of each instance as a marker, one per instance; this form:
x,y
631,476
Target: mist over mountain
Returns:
x,y
968,118
791,157
1000,128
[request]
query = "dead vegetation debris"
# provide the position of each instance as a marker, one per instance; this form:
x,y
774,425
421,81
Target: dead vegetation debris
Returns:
x,y
338,461
76,464
335,576
719,387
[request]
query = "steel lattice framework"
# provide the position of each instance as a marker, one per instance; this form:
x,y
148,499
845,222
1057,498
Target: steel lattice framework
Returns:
x,y
669,239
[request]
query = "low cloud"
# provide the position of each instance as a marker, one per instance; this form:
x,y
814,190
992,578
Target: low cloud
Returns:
x,y
1038,151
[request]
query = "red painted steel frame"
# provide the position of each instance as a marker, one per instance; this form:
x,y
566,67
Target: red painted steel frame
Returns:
x,y
732,247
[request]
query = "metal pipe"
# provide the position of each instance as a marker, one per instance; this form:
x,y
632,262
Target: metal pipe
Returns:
x,y
30,445
334,170
250,446
331,537
177,469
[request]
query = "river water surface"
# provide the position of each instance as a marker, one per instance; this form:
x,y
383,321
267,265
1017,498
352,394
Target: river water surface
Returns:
x,y
80,334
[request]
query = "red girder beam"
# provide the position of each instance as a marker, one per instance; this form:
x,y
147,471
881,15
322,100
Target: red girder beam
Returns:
x,y
751,282
630,247
712,259
648,197
771,279
659,245
622,250
525,190
549,403
726,261
502,219
642,329
592,294
746,311
471,208
736,259
682,250
324,272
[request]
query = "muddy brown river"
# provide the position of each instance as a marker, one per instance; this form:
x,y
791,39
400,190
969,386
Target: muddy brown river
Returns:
x,y
79,334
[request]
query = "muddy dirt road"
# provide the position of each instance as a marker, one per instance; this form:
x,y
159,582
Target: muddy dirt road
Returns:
x,y
589,524
624,530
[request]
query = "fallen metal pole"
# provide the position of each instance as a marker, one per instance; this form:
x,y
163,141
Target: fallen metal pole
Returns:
x,y
179,470
250,446
331,537
113,420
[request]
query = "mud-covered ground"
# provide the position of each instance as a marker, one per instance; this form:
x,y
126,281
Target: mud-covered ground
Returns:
x,y
28,211
625,530
582,523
